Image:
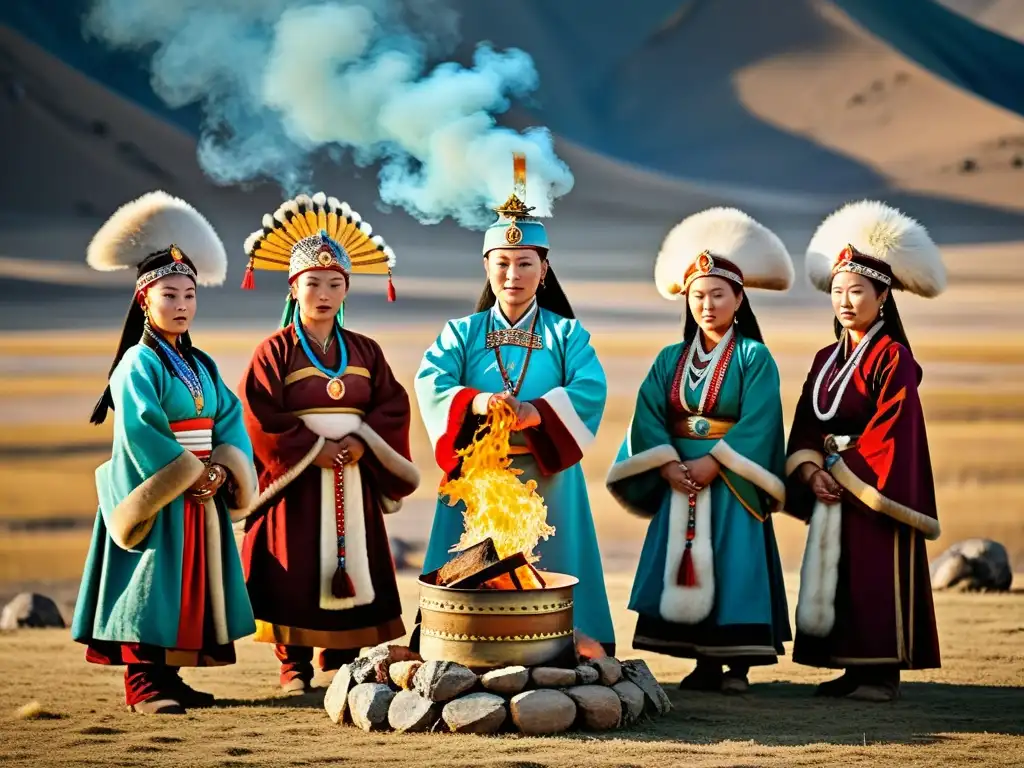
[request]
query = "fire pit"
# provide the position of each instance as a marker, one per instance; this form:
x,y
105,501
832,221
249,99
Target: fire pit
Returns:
x,y
491,628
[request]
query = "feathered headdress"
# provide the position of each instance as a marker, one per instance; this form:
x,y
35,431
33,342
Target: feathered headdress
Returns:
x,y
317,232
876,240
722,242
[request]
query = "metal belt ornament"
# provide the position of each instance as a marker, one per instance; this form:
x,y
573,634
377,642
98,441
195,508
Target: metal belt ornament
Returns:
x,y
687,577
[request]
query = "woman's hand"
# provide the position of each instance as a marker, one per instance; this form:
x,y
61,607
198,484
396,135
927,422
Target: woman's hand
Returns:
x,y
209,482
703,471
527,416
505,397
350,450
325,459
825,487
674,473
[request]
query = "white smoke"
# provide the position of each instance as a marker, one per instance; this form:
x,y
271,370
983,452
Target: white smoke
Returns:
x,y
280,80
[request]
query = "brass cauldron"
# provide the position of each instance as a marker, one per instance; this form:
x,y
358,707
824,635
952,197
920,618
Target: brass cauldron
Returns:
x,y
487,628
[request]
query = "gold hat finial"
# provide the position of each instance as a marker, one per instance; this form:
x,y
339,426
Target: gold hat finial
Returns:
x,y
514,208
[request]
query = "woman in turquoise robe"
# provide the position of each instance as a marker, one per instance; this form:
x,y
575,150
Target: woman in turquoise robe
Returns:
x,y
544,356
162,586
704,457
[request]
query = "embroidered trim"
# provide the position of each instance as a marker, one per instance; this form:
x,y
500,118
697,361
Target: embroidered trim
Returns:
x,y
513,337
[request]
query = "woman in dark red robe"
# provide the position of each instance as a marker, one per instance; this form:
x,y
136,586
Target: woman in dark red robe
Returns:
x,y
330,430
858,466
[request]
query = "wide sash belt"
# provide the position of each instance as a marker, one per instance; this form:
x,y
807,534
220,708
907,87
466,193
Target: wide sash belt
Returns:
x,y
195,436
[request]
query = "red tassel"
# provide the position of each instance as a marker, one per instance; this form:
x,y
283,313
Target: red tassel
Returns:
x,y
686,576
341,584
391,289
249,281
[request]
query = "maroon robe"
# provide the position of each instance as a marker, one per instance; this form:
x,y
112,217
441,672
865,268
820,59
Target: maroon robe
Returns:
x,y
883,603
282,550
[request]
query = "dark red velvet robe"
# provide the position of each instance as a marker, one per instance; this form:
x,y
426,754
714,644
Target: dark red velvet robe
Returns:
x,y
883,605
281,553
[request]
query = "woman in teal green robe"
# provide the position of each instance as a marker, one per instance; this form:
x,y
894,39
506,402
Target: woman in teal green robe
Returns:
x,y
704,457
523,341
163,586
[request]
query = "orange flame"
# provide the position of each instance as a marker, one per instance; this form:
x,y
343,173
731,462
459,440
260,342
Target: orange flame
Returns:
x,y
499,505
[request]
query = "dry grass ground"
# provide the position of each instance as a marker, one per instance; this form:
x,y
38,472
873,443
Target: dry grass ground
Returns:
x,y
967,713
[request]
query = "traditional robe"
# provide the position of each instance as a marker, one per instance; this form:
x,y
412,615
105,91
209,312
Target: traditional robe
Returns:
x,y
737,611
565,382
290,549
163,582
865,593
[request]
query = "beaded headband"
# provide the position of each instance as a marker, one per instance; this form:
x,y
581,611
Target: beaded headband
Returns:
x,y
177,267
852,260
705,265
318,251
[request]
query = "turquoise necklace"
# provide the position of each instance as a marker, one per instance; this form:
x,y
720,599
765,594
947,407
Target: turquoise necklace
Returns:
x,y
335,386
182,369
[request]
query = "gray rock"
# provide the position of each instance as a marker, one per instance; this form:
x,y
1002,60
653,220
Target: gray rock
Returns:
x,y
411,713
973,565
507,681
475,713
374,663
609,669
336,698
542,712
632,700
31,610
368,705
443,680
402,673
637,672
599,708
586,675
553,677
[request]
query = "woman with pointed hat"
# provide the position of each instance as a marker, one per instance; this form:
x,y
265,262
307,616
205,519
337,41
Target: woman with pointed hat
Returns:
x,y
330,430
163,585
523,344
858,463
703,459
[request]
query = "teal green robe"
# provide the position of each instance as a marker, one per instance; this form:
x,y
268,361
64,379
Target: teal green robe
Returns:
x,y
131,589
565,382
737,611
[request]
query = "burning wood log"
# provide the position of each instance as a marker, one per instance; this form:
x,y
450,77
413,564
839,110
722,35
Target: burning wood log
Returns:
x,y
478,567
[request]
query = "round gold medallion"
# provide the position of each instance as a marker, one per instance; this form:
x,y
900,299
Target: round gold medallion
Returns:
x,y
705,263
336,388
513,235
325,258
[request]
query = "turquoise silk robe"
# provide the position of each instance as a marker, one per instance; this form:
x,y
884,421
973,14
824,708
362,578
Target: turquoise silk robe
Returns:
x,y
131,589
736,611
565,382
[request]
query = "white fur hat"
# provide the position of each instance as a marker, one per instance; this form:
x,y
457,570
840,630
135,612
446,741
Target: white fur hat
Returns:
x,y
880,232
725,233
153,223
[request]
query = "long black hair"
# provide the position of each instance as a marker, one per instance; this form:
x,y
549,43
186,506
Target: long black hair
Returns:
x,y
550,295
890,316
746,321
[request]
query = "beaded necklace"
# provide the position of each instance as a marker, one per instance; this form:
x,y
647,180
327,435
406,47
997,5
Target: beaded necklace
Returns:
x,y
513,389
181,368
844,375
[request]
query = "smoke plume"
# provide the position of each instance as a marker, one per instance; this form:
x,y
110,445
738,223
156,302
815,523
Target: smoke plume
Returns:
x,y
280,81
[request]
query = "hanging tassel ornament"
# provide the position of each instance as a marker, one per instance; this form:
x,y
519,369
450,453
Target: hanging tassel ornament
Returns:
x,y
249,281
687,577
391,287
341,584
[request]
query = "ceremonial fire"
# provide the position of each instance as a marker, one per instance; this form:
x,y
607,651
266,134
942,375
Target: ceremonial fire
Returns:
x,y
499,506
